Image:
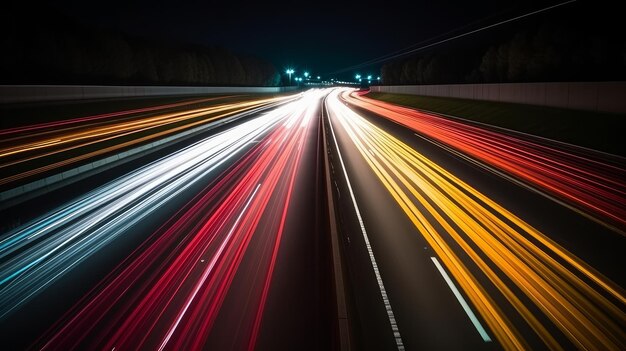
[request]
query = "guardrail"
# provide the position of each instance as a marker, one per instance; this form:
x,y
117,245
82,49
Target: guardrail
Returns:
x,y
591,96
34,93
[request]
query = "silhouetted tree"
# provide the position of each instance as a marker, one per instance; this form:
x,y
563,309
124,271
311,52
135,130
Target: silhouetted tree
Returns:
x,y
61,51
552,48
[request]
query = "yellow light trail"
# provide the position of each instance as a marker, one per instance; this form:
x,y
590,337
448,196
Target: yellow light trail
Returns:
x,y
66,140
496,241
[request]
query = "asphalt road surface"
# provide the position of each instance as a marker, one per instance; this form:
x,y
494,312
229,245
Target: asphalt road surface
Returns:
x,y
443,254
220,240
212,242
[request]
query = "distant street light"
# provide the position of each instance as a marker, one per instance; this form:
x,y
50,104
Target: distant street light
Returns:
x,y
369,77
289,71
306,74
318,77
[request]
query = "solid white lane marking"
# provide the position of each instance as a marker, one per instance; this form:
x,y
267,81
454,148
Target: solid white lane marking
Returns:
x,y
383,291
459,297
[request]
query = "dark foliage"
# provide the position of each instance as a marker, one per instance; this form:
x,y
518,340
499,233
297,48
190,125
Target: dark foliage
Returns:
x,y
45,48
576,45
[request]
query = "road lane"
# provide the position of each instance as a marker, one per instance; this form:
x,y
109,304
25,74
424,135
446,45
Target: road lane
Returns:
x,y
381,286
588,181
303,326
30,151
218,242
224,241
423,305
476,245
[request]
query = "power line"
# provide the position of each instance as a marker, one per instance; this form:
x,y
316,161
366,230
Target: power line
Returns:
x,y
422,42
400,53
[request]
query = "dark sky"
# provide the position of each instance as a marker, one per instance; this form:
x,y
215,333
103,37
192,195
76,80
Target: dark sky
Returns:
x,y
321,37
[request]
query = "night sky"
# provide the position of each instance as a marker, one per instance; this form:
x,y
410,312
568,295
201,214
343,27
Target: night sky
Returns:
x,y
321,37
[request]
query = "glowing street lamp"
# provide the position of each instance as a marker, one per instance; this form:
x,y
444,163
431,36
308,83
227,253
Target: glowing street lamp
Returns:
x,y
289,71
306,74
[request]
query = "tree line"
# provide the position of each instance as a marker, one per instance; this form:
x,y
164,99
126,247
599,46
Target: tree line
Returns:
x,y
541,51
50,49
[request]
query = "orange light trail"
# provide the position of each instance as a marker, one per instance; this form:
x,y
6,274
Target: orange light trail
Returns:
x,y
588,312
20,149
169,293
592,186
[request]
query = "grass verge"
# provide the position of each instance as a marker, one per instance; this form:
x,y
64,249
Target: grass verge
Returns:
x,y
595,130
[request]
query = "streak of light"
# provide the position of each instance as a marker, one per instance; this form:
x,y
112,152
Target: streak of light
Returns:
x,y
123,134
595,186
370,252
496,242
80,120
205,274
41,252
168,293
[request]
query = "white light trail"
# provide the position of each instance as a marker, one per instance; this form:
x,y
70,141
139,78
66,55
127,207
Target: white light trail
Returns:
x,y
37,254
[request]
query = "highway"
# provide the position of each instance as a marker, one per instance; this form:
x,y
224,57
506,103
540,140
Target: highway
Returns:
x,y
586,180
444,253
204,224
31,150
207,243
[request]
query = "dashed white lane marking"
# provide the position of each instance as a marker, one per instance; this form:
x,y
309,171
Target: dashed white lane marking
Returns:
x,y
381,286
459,297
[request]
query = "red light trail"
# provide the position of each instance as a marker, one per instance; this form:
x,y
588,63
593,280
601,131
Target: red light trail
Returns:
x,y
168,293
585,181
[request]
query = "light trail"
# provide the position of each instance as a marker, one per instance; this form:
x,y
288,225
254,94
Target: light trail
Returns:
x,y
588,183
379,280
205,274
36,255
169,292
56,147
80,120
588,312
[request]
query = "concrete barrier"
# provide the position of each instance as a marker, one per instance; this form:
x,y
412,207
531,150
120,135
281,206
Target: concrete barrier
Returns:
x,y
591,96
344,331
34,93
